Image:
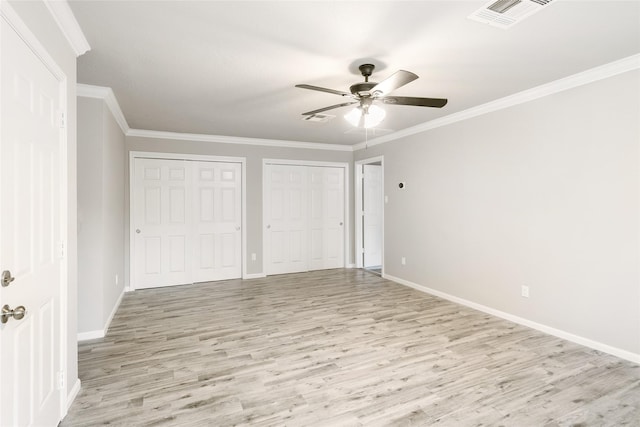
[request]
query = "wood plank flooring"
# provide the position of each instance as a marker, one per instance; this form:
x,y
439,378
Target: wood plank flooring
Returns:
x,y
337,348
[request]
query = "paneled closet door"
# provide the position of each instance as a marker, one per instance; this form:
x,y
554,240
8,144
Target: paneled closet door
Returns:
x,y
286,216
162,209
187,222
326,217
217,220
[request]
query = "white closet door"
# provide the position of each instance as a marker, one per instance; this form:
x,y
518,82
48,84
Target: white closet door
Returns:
x,y
162,235
187,217
217,220
372,218
286,209
326,218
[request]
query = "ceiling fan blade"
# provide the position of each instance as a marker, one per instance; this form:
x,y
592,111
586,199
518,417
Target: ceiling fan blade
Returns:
x,y
324,89
393,82
320,110
418,102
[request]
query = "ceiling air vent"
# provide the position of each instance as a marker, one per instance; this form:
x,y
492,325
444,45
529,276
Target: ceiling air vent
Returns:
x,y
505,13
318,118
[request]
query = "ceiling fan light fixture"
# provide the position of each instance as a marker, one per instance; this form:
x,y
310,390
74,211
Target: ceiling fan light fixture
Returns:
x,y
373,116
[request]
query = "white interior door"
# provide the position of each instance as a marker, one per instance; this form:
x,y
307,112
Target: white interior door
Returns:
x,y
372,193
286,219
187,221
217,221
326,217
162,235
30,236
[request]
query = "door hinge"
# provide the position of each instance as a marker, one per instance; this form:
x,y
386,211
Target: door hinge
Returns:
x,y
61,250
61,381
62,123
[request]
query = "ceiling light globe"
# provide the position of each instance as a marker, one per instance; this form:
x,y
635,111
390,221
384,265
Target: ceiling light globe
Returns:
x,y
374,116
353,116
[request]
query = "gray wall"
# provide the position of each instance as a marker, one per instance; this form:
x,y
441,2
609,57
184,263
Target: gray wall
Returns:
x,y
36,16
544,194
254,156
101,172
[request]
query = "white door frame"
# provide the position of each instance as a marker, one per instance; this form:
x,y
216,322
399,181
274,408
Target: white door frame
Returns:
x,y
347,223
182,156
11,18
359,208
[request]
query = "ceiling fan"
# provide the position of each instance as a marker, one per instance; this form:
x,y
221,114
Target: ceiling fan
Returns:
x,y
365,93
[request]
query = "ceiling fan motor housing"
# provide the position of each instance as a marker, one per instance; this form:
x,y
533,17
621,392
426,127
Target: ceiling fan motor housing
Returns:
x,y
362,89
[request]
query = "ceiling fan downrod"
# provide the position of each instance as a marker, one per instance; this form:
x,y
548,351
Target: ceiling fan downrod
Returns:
x,y
366,70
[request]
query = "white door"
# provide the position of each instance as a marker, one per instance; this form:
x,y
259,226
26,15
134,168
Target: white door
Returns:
x,y
162,236
286,219
187,218
217,220
30,232
372,230
326,217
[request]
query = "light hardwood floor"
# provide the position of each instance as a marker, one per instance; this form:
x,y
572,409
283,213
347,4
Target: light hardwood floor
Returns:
x,y
337,348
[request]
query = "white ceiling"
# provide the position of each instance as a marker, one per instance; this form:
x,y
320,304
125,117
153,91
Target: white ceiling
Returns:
x,y
229,67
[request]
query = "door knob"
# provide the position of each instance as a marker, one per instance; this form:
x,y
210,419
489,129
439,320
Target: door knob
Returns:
x,y
269,226
6,278
238,228
138,230
17,313
340,223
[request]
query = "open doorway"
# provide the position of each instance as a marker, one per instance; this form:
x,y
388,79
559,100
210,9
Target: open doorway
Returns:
x,y
370,218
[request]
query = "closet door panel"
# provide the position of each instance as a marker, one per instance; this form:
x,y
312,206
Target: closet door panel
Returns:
x,y
161,209
334,217
286,228
327,217
304,208
217,221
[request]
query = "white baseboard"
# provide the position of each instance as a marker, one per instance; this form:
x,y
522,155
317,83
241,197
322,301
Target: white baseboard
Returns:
x,y
254,276
623,354
92,335
350,266
73,393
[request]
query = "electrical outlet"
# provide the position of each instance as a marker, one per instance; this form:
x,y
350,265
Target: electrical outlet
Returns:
x,y
403,261
524,290
253,257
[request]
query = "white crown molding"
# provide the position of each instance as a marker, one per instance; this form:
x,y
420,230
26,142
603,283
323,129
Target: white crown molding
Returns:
x,y
105,93
64,17
594,74
237,140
